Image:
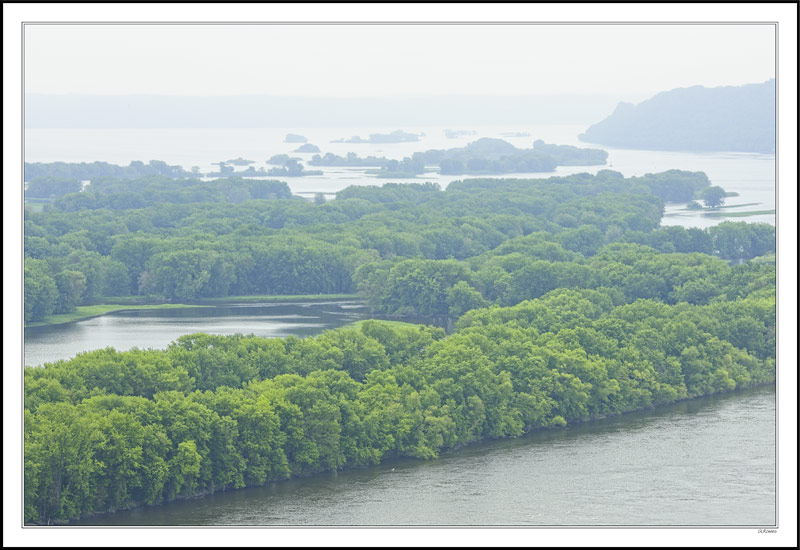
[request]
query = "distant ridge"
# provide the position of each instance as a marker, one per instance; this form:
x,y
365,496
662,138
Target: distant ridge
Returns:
x,y
726,118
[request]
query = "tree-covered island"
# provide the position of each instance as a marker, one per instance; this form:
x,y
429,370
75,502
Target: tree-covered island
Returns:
x,y
290,167
307,148
398,136
485,156
572,303
295,138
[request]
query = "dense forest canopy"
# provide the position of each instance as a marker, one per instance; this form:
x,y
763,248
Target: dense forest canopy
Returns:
x,y
572,303
726,118
109,430
188,239
93,170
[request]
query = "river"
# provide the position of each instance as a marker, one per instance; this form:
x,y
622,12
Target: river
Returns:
x,y
751,175
709,461
703,462
124,330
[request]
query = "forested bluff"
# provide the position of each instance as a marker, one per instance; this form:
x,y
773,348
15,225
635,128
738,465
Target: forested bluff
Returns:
x,y
572,304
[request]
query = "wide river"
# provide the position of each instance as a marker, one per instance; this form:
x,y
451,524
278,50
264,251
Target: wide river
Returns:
x,y
703,462
751,175
708,461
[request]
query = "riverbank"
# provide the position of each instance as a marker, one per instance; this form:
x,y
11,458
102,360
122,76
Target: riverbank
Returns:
x,y
87,312
128,303
395,461
276,298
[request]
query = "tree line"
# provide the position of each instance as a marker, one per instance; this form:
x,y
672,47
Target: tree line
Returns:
x,y
110,430
188,240
572,304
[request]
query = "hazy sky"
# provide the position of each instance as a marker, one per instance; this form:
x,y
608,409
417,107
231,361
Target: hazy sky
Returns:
x,y
632,61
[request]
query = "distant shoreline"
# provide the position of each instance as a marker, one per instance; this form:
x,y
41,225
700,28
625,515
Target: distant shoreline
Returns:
x,y
97,310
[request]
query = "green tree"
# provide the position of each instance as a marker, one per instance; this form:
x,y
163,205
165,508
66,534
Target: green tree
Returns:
x,y
41,292
461,298
71,285
713,196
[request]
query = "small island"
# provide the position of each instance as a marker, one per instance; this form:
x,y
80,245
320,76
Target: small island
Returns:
x,y
295,138
452,134
228,171
398,136
482,157
351,160
307,148
289,167
238,162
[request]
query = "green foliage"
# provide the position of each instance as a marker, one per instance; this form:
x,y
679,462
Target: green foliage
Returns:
x,y
572,304
713,196
41,292
49,187
742,240
55,171
70,286
110,430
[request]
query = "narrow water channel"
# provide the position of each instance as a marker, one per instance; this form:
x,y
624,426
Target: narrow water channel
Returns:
x,y
157,328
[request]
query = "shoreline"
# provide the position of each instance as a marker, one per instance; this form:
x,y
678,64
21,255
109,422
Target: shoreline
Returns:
x,y
89,312
390,459
84,312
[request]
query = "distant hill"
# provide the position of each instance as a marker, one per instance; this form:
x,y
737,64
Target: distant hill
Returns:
x,y
727,118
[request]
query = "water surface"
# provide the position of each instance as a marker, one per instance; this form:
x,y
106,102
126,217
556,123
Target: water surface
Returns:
x,y
703,462
157,328
752,175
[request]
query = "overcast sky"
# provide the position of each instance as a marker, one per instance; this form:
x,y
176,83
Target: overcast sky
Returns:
x,y
630,61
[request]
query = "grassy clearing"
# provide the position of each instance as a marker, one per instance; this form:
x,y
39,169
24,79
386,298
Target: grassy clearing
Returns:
x,y
86,312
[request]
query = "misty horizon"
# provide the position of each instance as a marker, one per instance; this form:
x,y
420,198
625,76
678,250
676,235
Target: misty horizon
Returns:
x,y
261,110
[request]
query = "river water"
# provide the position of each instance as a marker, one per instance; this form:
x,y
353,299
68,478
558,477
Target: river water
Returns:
x,y
703,462
749,174
708,461
124,330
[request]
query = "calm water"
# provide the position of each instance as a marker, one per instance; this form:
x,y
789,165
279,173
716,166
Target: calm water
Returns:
x,y
750,175
157,328
708,461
